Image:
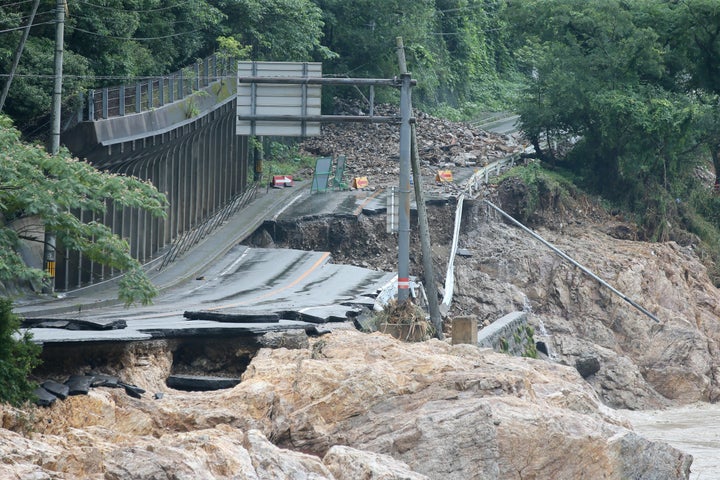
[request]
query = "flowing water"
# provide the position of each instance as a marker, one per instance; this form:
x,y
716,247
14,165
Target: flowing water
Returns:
x,y
542,333
694,429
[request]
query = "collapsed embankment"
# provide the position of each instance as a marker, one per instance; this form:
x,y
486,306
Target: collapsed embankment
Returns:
x,y
637,362
357,406
413,409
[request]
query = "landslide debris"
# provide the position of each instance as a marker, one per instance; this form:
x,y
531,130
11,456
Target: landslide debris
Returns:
x,y
373,150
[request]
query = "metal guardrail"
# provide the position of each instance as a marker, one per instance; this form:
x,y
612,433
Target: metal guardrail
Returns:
x,y
482,175
149,93
193,236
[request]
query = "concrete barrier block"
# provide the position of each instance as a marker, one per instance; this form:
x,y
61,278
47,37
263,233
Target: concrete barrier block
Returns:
x,y
465,330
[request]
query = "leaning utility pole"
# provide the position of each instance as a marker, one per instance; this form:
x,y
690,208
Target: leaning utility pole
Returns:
x,y
49,247
18,54
404,214
424,229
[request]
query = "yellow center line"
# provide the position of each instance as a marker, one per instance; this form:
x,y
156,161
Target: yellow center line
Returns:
x,y
359,209
277,290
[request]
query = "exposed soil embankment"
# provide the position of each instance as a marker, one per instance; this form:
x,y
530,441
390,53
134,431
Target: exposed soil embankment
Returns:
x,y
637,362
363,240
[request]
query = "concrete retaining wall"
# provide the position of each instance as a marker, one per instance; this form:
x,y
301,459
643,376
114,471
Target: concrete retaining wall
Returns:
x,y
510,334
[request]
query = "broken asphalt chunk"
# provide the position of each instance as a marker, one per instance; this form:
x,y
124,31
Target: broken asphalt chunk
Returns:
x,y
58,389
79,384
197,383
74,323
43,398
236,317
102,380
132,390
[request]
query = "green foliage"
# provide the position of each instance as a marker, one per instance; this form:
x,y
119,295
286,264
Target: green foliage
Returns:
x,y
527,333
230,47
545,188
50,188
454,48
283,159
18,357
280,30
622,94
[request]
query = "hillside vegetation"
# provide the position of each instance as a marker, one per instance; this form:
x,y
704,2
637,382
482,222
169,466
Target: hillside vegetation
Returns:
x,y
619,98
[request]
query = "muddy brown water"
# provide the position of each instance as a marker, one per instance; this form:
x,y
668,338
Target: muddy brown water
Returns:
x,y
693,429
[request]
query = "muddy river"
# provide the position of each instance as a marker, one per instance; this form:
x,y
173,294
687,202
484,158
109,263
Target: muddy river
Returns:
x,y
694,429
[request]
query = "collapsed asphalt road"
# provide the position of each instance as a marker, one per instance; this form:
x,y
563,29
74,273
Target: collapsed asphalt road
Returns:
x,y
249,292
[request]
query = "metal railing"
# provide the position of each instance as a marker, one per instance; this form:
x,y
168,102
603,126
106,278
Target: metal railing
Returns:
x,y
149,93
193,236
482,175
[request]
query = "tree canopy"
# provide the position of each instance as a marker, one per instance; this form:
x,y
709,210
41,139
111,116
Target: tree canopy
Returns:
x,y
625,94
50,188
608,76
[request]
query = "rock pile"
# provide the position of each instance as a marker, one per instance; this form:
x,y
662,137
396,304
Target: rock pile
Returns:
x,y
631,360
373,151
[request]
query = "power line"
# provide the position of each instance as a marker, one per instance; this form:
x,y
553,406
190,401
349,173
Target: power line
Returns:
x,y
91,20
139,39
16,3
38,14
103,7
22,28
101,77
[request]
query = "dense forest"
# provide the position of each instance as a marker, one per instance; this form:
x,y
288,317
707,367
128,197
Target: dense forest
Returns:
x,y
619,97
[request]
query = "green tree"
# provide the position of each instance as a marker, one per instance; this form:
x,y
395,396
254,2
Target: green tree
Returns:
x,y
597,74
276,30
106,43
50,188
18,356
363,35
468,38
692,31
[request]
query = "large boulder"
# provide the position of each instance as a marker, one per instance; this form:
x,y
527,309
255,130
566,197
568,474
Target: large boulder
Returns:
x,y
422,410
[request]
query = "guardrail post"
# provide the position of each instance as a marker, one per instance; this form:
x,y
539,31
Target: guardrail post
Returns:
x,y
91,105
161,91
81,97
105,102
151,100
197,76
171,88
121,108
138,97
181,85
206,72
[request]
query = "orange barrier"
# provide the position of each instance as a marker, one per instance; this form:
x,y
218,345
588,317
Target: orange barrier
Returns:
x,y
360,182
279,181
444,176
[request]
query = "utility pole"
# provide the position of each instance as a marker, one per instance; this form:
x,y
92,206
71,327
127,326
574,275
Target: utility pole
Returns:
x,y
404,215
49,244
424,229
18,54
57,89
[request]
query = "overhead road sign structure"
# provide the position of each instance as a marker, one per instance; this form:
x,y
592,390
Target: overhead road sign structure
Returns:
x,y
262,113
272,100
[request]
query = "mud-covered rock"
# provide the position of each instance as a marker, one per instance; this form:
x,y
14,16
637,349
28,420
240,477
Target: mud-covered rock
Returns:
x,y
411,410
